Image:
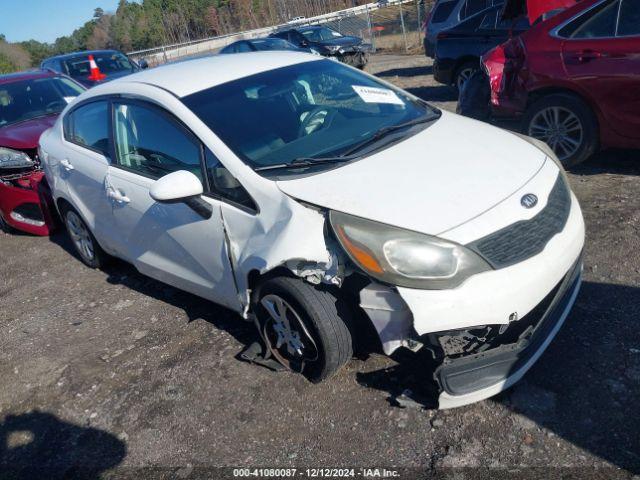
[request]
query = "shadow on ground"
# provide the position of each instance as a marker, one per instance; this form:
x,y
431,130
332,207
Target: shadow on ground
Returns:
x,y
406,72
441,93
585,388
38,445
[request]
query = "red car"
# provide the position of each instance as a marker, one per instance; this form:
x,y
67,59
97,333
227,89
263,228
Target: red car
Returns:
x,y
574,79
30,102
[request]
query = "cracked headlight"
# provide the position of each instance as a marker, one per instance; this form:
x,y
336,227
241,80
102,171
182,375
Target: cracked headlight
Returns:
x,y
14,159
405,258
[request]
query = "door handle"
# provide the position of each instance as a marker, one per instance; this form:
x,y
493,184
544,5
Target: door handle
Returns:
x,y
66,164
117,196
585,56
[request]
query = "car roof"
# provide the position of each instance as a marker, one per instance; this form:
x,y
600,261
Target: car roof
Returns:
x,y
191,76
30,75
78,54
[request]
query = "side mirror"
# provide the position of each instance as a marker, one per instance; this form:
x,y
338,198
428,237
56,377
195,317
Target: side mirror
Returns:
x,y
143,64
181,187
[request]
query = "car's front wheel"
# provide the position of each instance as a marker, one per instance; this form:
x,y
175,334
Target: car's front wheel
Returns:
x,y
566,124
83,240
4,226
304,326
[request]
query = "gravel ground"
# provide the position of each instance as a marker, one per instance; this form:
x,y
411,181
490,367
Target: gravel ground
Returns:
x,y
105,372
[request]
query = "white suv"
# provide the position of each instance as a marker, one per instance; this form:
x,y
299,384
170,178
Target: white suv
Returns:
x,y
298,191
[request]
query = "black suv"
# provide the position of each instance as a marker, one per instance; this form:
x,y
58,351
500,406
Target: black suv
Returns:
x,y
329,43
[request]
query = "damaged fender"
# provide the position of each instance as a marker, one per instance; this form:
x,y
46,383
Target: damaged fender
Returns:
x,y
269,240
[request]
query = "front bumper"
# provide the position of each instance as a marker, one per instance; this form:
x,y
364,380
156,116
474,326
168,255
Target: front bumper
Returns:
x,y
26,204
472,378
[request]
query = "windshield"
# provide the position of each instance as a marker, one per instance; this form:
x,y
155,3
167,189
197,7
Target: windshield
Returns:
x,y
107,62
309,110
27,99
320,34
273,44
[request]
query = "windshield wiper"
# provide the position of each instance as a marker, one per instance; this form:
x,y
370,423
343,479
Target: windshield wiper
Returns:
x,y
302,163
347,155
385,131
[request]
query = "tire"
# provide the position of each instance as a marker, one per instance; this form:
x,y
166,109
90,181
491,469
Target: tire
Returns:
x,y
464,72
324,331
4,226
571,109
84,243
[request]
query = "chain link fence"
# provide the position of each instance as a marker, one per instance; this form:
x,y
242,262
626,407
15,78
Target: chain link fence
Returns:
x,y
388,25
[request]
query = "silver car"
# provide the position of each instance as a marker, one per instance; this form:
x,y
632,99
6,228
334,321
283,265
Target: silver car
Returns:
x,y
447,14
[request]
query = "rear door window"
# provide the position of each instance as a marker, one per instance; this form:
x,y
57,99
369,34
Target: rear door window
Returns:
x,y
88,126
629,23
443,11
473,7
599,22
489,21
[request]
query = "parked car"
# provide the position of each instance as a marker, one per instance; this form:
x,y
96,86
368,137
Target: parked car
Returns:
x,y
261,44
293,189
446,14
573,79
329,43
29,104
459,49
110,63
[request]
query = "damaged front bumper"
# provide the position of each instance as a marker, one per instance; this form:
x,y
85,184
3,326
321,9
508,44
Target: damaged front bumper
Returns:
x,y
472,378
488,332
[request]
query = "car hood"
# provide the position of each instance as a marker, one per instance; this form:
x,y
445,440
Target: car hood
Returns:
x,y
25,135
438,179
345,41
534,9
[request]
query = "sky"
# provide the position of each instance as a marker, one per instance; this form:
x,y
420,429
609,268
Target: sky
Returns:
x,y
46,20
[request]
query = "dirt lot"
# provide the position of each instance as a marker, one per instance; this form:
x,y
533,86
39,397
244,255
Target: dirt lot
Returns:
x,y
109,371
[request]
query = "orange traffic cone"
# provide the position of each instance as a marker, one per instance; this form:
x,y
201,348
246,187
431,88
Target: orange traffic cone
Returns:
x,y
96,74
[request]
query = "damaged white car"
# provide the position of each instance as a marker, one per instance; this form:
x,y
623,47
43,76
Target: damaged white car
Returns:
x,y
298,192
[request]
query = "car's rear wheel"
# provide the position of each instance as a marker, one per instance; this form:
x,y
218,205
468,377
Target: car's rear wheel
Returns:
x,y
566,124
304,326
464,73
83,240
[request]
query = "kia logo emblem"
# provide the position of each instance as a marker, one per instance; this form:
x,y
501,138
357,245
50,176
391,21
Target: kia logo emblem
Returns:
x,y
529,200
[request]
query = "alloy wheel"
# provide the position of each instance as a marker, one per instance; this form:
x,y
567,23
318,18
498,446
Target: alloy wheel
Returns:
x,y
287,337
463,77
80,235
559,128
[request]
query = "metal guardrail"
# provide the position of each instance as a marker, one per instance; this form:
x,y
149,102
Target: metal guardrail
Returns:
x,y
393,24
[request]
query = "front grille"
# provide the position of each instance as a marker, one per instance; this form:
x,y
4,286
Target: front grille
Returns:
x,y
524,239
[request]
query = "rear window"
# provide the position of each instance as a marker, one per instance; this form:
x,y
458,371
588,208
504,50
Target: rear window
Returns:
x,y
443,12
108,62
596,23
629,23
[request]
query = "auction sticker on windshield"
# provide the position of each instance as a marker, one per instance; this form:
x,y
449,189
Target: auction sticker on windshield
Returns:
x,y
377,95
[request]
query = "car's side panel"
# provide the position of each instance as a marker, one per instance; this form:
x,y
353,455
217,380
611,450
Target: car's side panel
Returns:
x,y
610,70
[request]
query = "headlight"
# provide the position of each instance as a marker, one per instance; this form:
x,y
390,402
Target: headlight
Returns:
x,y
14,159
332,48
405,258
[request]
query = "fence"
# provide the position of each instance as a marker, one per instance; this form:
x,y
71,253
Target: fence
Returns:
x,y
392,25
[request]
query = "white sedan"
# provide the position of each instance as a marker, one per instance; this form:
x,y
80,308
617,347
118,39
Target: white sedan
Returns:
x,y
302,193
